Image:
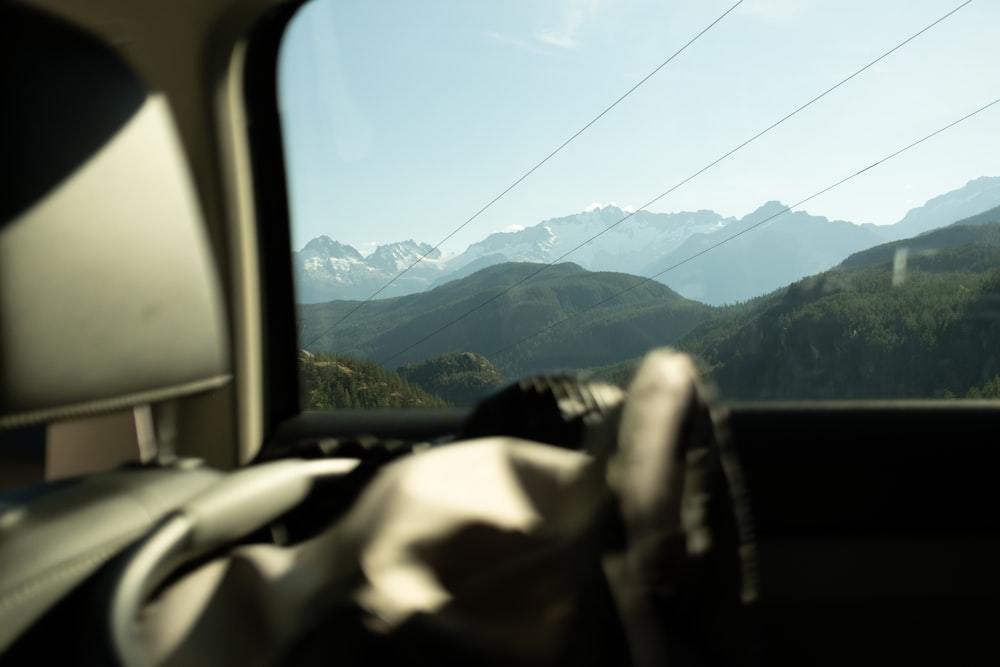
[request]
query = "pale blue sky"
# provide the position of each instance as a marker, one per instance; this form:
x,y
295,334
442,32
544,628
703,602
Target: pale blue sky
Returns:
x,y
404,118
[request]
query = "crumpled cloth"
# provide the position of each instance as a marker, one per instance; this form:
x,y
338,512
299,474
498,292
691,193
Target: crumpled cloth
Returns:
x,y
504,551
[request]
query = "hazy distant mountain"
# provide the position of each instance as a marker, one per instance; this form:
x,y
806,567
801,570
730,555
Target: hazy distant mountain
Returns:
x,y
795,244
975,197
930,248
709,267
984,218
753,261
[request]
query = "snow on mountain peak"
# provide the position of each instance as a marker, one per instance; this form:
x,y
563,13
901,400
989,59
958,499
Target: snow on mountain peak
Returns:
x,y
394,257
598,206
607,237
324,247
530,244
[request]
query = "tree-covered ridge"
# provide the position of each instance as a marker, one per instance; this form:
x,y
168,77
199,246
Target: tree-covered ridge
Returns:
x,y
462,378
929,330
989,389
340,381
932,250
513,314
984,218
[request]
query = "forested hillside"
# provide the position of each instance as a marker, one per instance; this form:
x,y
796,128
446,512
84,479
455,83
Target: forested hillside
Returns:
x,y
340,381
875,327
461,378
517,325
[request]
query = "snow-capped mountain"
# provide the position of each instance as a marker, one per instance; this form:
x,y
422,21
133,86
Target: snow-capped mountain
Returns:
x,y
789,247
396,257
324,248
624,240
327,270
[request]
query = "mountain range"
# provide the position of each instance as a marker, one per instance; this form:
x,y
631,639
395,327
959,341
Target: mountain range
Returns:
x,y
701,255
912,318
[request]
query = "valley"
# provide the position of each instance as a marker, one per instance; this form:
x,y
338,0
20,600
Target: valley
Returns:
x,y
905,318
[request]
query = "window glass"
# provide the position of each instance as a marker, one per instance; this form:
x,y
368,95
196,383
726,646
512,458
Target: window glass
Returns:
x,y
802,194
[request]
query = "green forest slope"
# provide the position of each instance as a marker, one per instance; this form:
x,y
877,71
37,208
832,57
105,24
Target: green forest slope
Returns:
x,y
340,381
912,319
461,378
609,317
875,327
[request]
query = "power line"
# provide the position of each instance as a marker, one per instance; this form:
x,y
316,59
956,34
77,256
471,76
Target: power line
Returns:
x,y
756,136
666,192
529,172
756,225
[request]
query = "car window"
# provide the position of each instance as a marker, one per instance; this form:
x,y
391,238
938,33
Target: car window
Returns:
x,y
803,195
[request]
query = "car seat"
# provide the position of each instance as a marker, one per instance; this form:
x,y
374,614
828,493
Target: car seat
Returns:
x,y
626,544
109,298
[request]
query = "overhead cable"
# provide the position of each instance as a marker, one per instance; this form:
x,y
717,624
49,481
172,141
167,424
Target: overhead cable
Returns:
x,y
670,190
529,172
748,229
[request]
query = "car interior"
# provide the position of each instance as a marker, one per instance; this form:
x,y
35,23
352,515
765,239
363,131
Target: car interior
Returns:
x,y
156,464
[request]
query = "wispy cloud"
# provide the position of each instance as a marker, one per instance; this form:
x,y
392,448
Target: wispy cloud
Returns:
x,y
524,44
562,34
563,41
565,34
